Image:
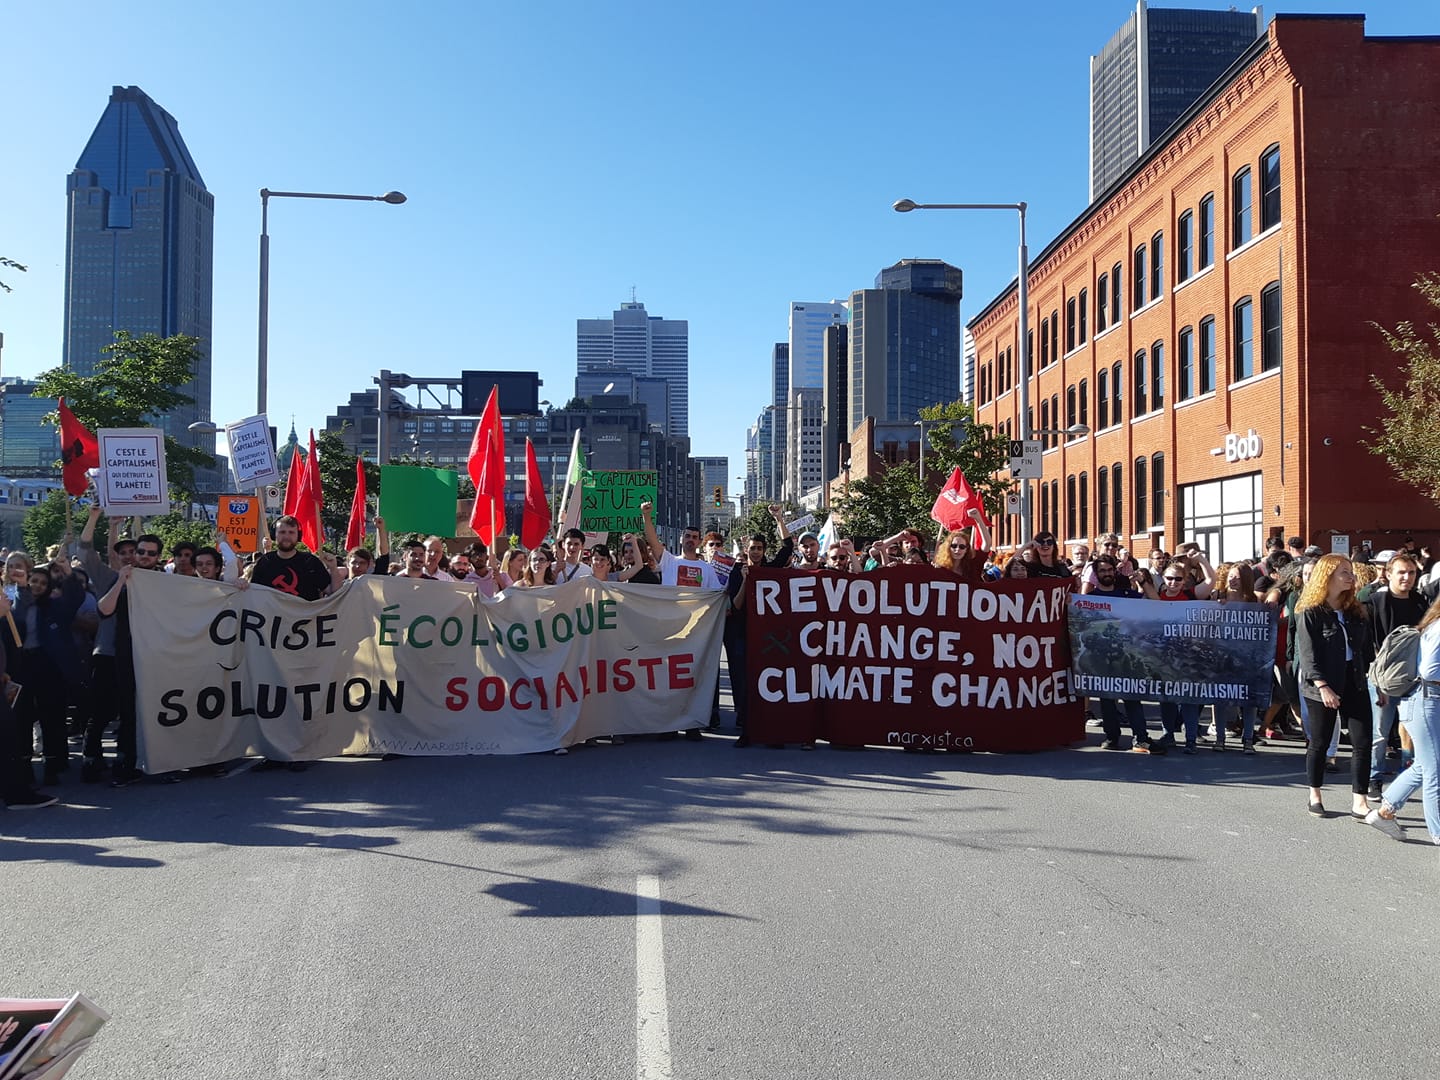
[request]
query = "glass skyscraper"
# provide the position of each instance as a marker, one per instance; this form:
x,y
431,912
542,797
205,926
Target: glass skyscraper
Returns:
x,y
905,342
1155,67
633,342
138,245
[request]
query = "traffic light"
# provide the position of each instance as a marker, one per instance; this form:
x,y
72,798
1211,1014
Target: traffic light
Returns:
x,y
719,496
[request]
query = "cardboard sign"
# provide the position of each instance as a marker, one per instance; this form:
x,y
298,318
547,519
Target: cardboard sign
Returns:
x,y
252,454
415,498
237,519
132,472
610,499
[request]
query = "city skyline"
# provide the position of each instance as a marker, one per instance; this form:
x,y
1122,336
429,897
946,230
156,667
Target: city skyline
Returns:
x,y
541,214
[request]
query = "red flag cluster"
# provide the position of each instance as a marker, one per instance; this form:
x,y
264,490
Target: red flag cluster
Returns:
x,y
953,505
486,466
302,495
79,450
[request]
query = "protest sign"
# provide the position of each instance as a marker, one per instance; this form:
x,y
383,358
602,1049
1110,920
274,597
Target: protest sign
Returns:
x,y
1194,651
132,472
909,656
400,665
237,519
610,499
252,452
416,498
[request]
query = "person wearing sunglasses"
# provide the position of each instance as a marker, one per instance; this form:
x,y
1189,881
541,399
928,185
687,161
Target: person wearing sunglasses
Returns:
x,y
1177,584
956,555
1048,563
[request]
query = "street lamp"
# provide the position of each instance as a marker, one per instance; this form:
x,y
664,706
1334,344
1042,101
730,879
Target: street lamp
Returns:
x,y
394,198
904,206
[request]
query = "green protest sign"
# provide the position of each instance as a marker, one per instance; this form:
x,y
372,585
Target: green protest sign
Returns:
x,y
610,500
414,498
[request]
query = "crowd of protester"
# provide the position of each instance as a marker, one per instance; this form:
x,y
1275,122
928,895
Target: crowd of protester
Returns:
x,y
68,655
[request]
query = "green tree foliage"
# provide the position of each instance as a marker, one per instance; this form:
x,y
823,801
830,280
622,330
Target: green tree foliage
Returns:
x,y
173,527
1406,436
337,485
757,522
44,524
9,264
881,505
136,382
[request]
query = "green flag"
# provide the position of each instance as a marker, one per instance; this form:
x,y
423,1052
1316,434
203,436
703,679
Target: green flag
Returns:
x,y
414,498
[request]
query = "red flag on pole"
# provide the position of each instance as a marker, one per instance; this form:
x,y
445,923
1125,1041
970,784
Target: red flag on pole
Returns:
x,y
953,505
308,501
486,466
294,480
536,522
355,534
79,450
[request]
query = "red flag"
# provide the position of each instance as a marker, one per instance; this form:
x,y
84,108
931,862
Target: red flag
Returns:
x,y
486,466
307,508
79,450
953,505
294,480
355,534
536,522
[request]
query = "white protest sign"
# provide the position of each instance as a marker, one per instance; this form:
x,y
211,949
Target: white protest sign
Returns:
x,y
132,471
252,454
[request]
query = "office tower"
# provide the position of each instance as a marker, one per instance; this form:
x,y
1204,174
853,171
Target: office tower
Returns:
x,y
808,322
834,434
905,342
1155,67
772,460
715,473
752,467
28,446
645,346
138,251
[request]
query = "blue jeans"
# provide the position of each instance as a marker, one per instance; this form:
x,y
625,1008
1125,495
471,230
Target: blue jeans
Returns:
x,y
1249,717
1420,713
1384,724
1173,714
1134,715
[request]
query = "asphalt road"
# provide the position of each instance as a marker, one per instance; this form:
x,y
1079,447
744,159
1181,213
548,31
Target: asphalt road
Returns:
x,y
823,914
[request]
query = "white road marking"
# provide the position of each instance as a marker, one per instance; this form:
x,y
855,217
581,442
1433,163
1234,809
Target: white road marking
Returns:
x,y
652,1016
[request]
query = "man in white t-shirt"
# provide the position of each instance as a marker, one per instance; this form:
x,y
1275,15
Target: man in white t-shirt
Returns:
x,y
689,568
570,567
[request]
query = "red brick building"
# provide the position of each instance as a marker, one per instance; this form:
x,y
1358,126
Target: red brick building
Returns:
x,y
1209,317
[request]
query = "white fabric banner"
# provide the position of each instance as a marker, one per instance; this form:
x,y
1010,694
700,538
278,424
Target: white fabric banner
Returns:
x,y
398,665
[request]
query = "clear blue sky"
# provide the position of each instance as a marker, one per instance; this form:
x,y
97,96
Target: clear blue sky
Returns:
x,y
722,160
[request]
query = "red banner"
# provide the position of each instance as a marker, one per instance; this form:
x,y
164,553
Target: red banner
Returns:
x,y
910,656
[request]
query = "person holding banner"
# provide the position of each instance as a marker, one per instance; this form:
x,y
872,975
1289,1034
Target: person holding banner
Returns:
x,y
289,569
1110,584
1046,561
573,544
956,555
689,568
637,565
755,552
1332,644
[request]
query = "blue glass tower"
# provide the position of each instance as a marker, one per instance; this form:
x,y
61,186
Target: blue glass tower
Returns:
x,y
138,244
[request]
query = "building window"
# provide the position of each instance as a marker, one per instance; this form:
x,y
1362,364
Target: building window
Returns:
x,y
1117,499
1157,489
1055,506
1157,375
1270,342
1029,355
1142,385
1070,532
1070,324
1102,498
1244,337
1117,384
1102,303
1054,336
1240,227
1157,266
1185,246
1102,398
1270,188
1055,417
1085,402
1045,507
1138,512
1207,232
1137,275
1070,407
1045,419
1185,365
1116,292
1207,354
1084,506
1044,344
1084,313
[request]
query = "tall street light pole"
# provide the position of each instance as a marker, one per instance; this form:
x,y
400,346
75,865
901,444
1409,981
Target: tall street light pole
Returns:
x,y
904,206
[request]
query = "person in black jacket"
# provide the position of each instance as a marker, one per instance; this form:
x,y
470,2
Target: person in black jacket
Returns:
x,y
17,780
735,592
44,613
1332,649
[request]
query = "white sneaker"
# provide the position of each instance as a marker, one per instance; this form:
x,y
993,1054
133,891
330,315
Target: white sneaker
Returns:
x,y
1389,826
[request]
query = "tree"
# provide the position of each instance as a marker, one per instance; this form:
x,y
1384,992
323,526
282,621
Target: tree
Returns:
x,y
44,524
881,505
174,527
1406,436
136,382
10,264
757,522
337,484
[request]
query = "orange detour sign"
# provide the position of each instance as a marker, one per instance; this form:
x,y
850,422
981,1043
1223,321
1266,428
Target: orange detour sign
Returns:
x,y
237,519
